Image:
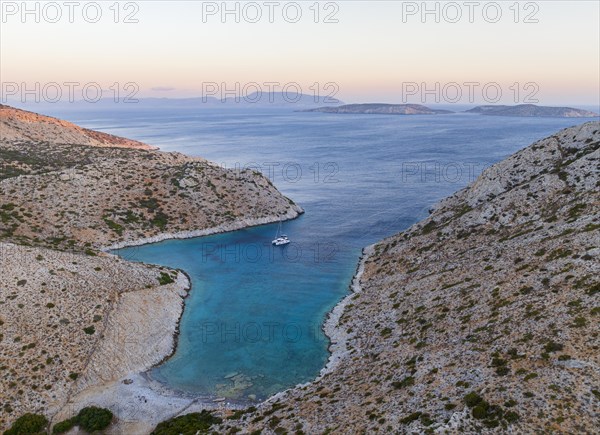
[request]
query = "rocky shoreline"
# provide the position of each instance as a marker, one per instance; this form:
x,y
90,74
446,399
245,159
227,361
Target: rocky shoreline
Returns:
x,y
337,336
124,396
161,402
93,322
294,212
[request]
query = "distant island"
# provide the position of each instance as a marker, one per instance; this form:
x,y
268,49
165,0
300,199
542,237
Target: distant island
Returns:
x,y
381,109
522,110
531,110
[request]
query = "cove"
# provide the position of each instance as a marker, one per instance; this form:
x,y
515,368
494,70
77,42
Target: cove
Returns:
x,y
252,322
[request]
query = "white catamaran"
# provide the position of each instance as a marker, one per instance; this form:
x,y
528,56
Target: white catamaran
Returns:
x,y
280,239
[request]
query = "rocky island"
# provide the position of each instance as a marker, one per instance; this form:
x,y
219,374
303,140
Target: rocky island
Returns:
x,y
531,110
380,109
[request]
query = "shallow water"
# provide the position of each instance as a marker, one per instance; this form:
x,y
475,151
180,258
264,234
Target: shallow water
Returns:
x,y
252,323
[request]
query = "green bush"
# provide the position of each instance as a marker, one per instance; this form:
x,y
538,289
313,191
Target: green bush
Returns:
x,y
511,416
93,418
410,418
480,411
89,419
28,424
189,424
472,399
552,346
165,279
65,425
406,382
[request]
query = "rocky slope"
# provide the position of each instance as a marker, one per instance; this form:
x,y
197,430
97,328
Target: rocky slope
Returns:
x,y
380,109
21,125
481,318
71,321
69,196
531,110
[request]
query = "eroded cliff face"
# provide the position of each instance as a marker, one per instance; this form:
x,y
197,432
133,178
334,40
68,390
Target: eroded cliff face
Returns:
x,y
482,317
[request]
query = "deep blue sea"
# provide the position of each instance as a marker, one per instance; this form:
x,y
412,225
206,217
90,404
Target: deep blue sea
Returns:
x,y
252,322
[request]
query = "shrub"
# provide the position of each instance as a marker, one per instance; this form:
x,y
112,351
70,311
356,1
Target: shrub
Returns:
x,y
410,418
28,424
406,382
386,332
65,425
502,371
552,346
93,418
160,220
165,279
480,411
472,399
89,419
189,424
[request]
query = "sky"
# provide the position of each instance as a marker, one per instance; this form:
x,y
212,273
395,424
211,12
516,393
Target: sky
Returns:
x,y
357,51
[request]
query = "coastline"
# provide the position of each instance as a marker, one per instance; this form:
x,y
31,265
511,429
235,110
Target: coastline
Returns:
x,y
238,224
132,396
338,338
128,389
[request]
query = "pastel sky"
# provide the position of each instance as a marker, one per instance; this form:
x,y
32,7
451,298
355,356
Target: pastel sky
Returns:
x,y
373,49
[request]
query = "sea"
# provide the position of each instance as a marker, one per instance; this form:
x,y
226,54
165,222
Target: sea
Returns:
x,y
252,324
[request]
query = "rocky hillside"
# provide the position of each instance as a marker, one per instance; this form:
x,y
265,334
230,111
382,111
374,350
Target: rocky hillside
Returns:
x,y
67,196
481,318
61,313
21,125
531,110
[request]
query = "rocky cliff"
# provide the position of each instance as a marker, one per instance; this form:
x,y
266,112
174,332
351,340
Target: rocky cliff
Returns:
x,y
71,321
21,125
481,318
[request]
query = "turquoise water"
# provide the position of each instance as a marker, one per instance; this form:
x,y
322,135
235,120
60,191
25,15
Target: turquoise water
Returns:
x,y
252,323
